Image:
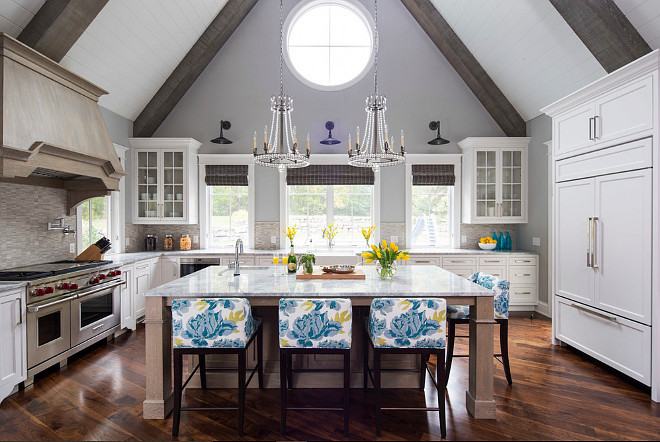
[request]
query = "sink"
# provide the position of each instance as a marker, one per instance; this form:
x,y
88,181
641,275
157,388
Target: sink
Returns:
x,y
248,270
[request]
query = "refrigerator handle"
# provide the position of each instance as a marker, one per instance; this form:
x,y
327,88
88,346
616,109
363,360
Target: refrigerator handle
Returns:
x,y
588,242
594,242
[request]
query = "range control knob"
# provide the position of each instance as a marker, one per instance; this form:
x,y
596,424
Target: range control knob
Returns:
x,y
101,276
96,280
117,272
50,290
39,292
73,286
65,286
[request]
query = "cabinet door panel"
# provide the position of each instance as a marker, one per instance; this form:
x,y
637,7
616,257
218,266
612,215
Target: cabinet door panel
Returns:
x,y
624,229
13,343
573,207
127,306
572,131
625,112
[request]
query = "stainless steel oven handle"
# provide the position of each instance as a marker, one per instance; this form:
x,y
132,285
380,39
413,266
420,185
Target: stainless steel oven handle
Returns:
x,y
36,308
98,289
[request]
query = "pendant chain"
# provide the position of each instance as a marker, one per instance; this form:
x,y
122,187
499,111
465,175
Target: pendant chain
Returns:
x,y
281,48
376,43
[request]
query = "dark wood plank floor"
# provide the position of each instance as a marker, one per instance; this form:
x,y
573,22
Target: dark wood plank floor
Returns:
x,y
557,394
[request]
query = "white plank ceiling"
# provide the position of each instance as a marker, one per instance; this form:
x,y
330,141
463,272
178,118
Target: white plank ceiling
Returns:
x,y
525,46
132,47
645,16
16,14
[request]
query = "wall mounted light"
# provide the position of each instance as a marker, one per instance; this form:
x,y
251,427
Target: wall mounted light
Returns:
x,y
330,140
435,125
224,125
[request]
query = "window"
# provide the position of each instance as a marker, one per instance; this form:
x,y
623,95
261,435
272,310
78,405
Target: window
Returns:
x,y
329,43
313,207
431,216
228,208
94,222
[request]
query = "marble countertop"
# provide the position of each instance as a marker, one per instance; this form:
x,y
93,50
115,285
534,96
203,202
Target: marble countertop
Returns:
x,y
417,281
6,286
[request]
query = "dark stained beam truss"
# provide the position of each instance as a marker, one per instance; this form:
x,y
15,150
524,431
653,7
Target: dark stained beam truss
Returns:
x,y
604,30
58,24
192,65
476,78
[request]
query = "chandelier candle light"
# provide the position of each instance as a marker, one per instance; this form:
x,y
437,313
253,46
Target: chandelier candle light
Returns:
x,y
281,147
377,148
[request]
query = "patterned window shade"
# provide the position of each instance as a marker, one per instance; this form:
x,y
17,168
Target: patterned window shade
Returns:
x,y
330,174
226,175
433,175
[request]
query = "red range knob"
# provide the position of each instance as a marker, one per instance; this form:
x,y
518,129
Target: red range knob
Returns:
x,y
96,280
117,272
65,286
101,276
40,292
73,286
50,290
111,274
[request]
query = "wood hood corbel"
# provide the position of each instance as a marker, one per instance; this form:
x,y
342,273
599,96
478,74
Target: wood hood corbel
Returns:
x,y
53,133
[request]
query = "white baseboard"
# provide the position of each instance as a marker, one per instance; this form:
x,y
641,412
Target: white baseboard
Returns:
x,y
544,309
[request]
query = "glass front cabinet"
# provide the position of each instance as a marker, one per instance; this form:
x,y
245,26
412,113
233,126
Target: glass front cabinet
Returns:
x,y
494,180
164,180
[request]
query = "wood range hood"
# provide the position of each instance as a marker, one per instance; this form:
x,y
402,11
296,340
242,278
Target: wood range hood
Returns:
x,y
53,133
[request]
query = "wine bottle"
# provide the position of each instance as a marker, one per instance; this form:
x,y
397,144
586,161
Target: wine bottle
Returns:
x,y
292,265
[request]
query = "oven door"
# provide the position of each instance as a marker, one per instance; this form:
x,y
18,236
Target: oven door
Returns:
x,y
95,311
48,329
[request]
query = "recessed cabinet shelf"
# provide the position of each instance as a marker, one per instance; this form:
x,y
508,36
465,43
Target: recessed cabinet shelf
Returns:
x,y
494,180
165,183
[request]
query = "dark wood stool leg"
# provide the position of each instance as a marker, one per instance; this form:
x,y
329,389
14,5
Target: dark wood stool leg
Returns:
x,y
451,336
178,382
423,360
377,392
241,390
365,361
289,372
347,389
202,370
283,376
440,375
504,347
260,356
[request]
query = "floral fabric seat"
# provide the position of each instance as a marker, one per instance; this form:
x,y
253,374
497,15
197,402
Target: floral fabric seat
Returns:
x,y
315,323
212,323
501,300
408,323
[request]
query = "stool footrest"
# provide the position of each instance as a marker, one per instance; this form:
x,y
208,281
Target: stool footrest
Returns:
x,y
410,409
314,409
208,408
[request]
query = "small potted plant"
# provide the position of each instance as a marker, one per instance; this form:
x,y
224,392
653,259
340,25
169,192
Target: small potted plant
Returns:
x,y
385,256
307,261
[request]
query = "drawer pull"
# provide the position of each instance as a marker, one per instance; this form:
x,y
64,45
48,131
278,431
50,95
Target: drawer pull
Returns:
x,y
595,312
492,260
453,261
523,293
422,262
522,260
523,274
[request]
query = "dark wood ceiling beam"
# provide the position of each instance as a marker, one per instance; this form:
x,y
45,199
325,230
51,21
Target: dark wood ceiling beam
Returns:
x,y
58,24
604,30
192,65
472,73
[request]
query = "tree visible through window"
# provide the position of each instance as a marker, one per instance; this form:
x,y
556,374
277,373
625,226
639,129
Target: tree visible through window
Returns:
x,y
431,216
95,220
229,214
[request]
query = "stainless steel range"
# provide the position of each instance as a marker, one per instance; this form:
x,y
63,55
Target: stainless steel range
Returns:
x,y
70,305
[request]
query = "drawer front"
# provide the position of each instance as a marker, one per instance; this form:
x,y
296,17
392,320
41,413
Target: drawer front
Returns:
x,y
262,261
460,261
424,260
462,271
246,261
620,343
523,294
522,261
492,261
497,271
522,275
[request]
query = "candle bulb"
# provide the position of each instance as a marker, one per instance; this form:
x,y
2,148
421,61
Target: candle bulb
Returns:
x,y
350,145
357,141
392,143
265,139
308,150
402,138
387,134
254,143
295,138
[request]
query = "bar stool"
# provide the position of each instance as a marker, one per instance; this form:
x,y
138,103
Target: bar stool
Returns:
x,y
407,326
460,314
314,326
213,326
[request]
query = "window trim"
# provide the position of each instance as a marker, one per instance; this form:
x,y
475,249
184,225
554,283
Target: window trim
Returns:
x,y
326,159
108,219
455,194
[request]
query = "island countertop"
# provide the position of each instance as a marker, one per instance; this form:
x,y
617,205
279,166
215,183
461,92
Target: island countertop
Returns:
x,y
417,281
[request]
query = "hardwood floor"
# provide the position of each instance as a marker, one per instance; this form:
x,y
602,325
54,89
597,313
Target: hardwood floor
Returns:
x,y
557,393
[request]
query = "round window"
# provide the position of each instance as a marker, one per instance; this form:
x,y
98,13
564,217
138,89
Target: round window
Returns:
x,y
329,43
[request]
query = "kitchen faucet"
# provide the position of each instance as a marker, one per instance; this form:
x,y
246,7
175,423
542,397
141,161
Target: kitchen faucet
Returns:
x,y
239,249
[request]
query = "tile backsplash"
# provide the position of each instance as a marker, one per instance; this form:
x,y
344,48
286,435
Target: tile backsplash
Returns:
x,y
138,232
476,231
24,214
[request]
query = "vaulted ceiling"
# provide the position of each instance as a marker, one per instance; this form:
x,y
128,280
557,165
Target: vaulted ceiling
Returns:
x,y
525,46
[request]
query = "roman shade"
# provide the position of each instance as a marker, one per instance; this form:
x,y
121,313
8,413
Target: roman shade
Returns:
x,y
330,174
226,175
433,175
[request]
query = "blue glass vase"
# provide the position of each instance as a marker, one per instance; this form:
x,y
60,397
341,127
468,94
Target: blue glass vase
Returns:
x,y
501,243
508,241
497,240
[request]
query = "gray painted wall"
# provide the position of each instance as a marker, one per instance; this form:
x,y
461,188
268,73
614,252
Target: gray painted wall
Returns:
x,y
419,83
120,128
540,129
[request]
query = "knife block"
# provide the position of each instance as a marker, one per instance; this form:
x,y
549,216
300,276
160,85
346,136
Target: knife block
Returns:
x,y
91,253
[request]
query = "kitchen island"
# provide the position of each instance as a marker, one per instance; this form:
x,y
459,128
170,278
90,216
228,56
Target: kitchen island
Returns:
x,y
264,290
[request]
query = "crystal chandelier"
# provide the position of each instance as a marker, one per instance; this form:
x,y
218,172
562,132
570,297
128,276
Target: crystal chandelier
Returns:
x,y
281,146
377,148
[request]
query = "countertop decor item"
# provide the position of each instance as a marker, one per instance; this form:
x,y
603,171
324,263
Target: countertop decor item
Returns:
x,y
329,233
487,243
307,261
319,273
184,242
366,233
224,125
330,141
290,232
385,256
281,148
438,140
376,149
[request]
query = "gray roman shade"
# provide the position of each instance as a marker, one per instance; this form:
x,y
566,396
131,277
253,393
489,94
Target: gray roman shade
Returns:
x,y
329,174
433,175
226,175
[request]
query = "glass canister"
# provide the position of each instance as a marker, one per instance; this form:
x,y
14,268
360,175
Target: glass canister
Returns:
x,y
185,243
168,242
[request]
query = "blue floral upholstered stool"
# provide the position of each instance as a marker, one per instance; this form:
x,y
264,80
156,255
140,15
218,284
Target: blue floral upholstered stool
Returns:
x,y
213,326
407,326
460,314
314,326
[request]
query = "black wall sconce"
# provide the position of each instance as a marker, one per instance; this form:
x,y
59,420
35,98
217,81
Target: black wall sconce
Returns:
x,y
330,141
224,125
435,125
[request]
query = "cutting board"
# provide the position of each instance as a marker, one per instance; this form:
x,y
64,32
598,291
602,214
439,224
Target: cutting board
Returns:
x,y
320,274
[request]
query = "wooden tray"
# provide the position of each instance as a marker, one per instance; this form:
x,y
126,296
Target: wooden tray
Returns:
x,y
320,274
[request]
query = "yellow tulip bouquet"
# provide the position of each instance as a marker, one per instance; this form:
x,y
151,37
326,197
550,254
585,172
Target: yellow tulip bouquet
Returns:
x,y
385,255
366,233
290,232
329,233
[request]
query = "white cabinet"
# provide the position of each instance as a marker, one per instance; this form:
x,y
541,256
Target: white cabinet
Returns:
x,y
142,278
128,319
494,180
164,184
13,343
167,269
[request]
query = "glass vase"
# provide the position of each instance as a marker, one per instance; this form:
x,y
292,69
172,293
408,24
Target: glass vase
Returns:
x,y
386,270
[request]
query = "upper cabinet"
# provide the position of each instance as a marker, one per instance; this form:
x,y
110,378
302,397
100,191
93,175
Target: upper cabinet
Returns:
x,y
494,180
164,180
